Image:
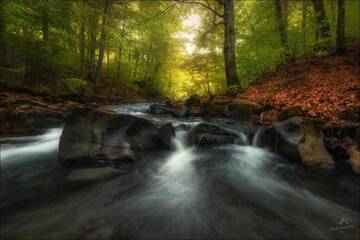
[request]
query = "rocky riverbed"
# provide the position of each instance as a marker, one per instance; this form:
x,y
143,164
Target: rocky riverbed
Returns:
x,y
121,172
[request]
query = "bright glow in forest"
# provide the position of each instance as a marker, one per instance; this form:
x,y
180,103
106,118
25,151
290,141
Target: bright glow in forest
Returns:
x,y
173,47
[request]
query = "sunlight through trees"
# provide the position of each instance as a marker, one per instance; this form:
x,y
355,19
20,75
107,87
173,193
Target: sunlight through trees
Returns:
x,y
173,48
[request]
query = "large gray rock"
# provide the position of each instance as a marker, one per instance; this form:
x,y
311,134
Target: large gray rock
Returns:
x,y
144,135
76,139
167,109
95,136
298,140
208,134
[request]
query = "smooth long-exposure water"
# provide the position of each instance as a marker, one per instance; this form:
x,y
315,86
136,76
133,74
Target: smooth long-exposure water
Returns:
x,y
237,191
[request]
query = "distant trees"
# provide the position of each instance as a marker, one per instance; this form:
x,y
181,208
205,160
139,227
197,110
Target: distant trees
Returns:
x,y
323,32
55,39
228,16
282,29
102,41
133,43
92,48
340,30
2,36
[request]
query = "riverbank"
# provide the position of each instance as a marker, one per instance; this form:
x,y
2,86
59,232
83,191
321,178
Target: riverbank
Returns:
x,y
325,88
26,112
135,185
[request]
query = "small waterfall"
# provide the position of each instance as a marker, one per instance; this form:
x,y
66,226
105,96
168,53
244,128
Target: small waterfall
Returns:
x,y
256,138
24,147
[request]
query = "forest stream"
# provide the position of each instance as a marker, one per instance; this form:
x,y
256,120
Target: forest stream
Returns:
x,y
238,191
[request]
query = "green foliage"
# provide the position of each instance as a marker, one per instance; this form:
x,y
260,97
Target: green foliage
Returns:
x,y
55,40
233,90
9,74
73,86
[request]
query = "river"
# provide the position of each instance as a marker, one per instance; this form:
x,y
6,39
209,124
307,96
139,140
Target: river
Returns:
x,y
231,191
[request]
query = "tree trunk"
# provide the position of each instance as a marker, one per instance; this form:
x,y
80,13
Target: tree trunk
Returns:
x,y
102,43
282,30
45,27
2,37
119,64
82,48
108,59
231,74
323,26
136,65
304,23
340,30
92,49
148,62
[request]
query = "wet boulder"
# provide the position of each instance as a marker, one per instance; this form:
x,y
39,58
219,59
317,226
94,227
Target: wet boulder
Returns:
x,y
312,148
167,132
157,108
90,137
338,138
166,109
354,158
298,140
183,127
143,135
205,134
76,139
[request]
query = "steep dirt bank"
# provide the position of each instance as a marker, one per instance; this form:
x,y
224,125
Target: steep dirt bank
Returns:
x,y
326,88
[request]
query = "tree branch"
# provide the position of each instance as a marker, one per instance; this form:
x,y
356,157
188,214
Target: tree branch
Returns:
x,y
218,23
221,2
160,13
207,6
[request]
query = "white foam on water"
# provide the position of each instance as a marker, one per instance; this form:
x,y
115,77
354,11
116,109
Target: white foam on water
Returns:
x,y
39,144
248,170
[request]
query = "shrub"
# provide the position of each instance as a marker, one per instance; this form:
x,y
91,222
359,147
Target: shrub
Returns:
x,y
74,86
10,74
233,90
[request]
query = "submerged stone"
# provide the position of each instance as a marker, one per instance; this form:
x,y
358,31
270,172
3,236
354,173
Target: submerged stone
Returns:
x,y
297,140
210,134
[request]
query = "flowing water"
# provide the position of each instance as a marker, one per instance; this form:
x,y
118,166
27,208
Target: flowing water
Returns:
x,y
237,191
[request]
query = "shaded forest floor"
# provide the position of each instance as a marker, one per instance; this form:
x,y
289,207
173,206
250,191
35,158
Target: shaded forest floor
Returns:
x,y
15,89
326,88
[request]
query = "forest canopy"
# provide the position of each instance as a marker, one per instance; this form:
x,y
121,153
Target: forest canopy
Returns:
x,y
170,48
